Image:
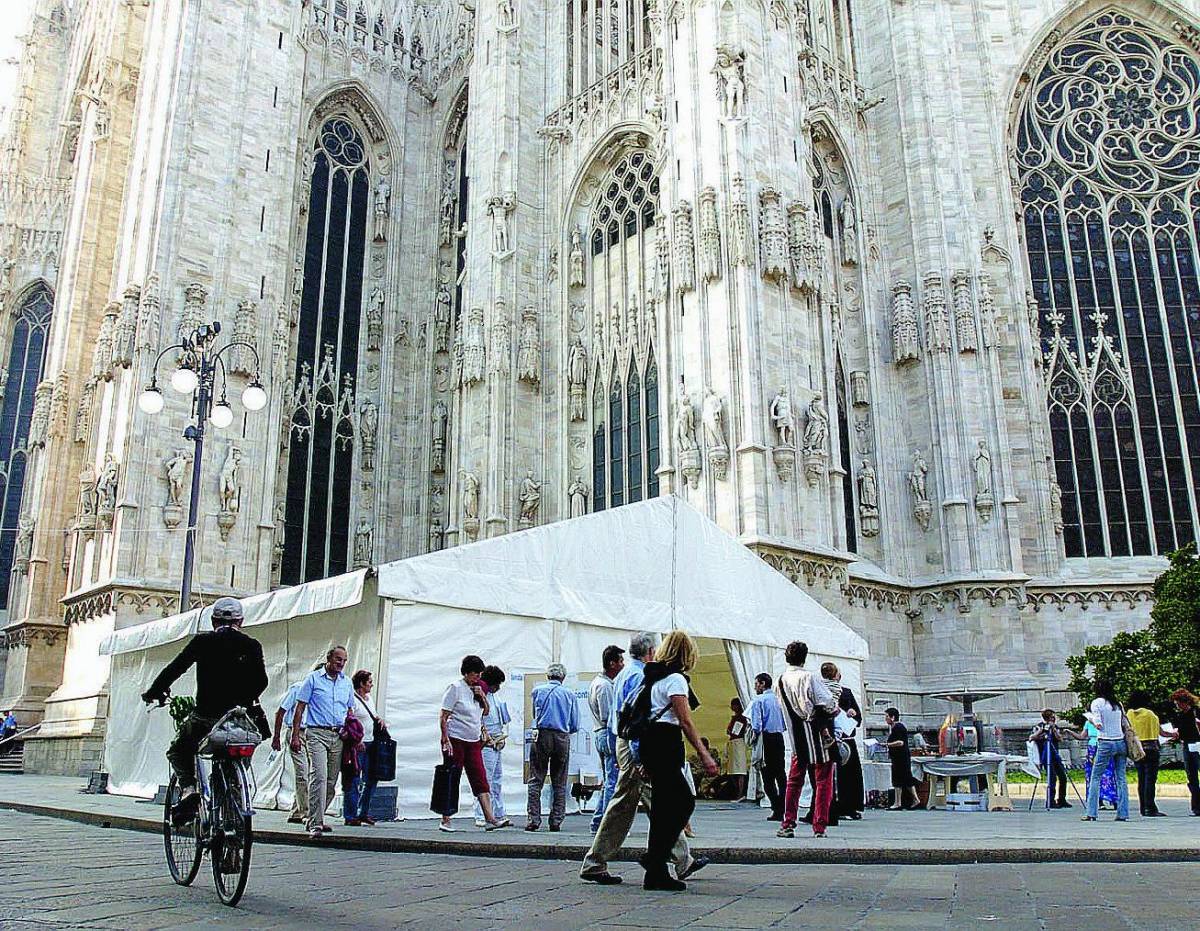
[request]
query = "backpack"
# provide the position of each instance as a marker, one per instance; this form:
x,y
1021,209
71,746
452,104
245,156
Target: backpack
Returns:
x,y
634,717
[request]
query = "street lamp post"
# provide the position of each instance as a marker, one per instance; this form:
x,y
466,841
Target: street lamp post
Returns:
x,y
196,374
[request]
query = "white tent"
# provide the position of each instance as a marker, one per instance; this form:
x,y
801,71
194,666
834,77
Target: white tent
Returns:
x,y
558,593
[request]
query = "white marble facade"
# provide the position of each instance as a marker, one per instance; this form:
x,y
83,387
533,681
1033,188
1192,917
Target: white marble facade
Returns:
x,y
811,275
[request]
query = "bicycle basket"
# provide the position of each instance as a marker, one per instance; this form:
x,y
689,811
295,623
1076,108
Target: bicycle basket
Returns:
x,y
234,729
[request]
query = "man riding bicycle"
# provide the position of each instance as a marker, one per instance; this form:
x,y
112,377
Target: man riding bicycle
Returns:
x,y
229,672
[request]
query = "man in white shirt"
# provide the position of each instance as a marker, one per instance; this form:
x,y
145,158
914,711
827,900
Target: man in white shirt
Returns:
x,y
600,700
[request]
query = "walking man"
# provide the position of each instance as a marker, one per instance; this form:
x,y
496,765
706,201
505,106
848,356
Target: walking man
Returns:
x,y
321,705
810,708
600,700
631,787
283,724
555,719
766,720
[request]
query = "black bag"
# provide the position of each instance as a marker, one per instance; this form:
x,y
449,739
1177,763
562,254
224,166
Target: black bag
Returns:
x,y
634,717
382,756
444,800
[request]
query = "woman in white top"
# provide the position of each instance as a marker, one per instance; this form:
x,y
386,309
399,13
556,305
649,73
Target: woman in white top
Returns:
x,y
1106,715
356,799
463,707
661,753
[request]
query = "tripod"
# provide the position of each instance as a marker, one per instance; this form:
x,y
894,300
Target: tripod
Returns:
x,y
1046,761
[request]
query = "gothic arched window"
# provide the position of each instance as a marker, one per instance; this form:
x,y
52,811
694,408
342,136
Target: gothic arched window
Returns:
x,y
625,441
18,384
1108,150
601,35
322,402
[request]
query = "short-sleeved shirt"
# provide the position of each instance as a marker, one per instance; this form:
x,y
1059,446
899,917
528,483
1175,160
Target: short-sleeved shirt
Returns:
x,y
1144,722
555,707
466,714
661,694
327,698
497,718
1107,718
288,705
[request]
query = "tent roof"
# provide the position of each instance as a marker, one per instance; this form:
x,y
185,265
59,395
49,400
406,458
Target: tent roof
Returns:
x,y
651,566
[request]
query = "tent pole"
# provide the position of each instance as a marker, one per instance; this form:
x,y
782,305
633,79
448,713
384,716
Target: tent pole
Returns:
x,y
674,553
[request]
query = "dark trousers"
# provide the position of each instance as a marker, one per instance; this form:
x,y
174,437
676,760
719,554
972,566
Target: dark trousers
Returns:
x,y
1147,770
773,774
181,754
849,783
550,753
1056,778
671,800
1191,765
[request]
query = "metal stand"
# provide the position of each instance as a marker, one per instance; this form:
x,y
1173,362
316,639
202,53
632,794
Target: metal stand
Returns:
x,y
1045,761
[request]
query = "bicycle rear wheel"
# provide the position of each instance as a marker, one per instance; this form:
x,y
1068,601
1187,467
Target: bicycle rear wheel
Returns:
x,y
182,844
232,833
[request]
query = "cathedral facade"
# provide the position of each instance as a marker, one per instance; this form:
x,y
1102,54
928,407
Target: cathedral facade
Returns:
x,y
902,293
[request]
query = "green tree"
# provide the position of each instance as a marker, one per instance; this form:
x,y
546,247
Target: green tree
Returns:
x,y
1163,657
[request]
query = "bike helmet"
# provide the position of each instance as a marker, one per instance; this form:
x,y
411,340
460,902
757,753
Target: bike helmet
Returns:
x,y
226,611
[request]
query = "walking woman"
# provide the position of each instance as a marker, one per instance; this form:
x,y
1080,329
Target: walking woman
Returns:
x,y
463,706
1105,714
902,777
356,802
661,752
495,736
737,757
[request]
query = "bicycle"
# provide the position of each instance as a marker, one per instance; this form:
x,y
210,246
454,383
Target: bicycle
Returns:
x,y
223,824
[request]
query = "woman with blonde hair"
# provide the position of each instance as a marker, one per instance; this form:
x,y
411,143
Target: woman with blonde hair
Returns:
x,y
660,748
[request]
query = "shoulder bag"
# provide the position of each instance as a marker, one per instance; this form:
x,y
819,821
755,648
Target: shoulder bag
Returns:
x,y
1133,746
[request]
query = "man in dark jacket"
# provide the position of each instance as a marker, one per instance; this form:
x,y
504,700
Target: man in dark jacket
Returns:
x,y
229,672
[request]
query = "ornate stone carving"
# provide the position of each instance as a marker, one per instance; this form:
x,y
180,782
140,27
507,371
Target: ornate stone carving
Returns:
x,y
685,437
773,235
472,350
126,333
530,496
741,247
59,403
987,312
918,488
39,423
441,318
784,421
575,277
470,503
529,347
175,471
501,348
577,374
860,393
375,319
106,492
83,415
506,15
437,534
578,495
363,543
230,491
368,431
868,500
1056,511
499,207
441,417
849,233
662,257
194,314
87,498
798,229
982,466
713,417
102,352
730,71
816,440
937,326
685,251
905,339
23,548
710,235
964,312
383,208
245,330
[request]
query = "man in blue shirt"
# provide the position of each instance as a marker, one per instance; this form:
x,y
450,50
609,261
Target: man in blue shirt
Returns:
x,y
555,719
321,705
766,721
283,724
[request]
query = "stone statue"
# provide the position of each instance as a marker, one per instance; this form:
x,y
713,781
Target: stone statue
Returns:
x,y
441,319
440,417
368,428
383,203
506,15
578,493
529,348
446,225
280,528
917,478
685,421
499,208
577,372
731,81
231,481
816,428
362,544
530,498
783,419
849,233
437,535
714,421
176,470
868,499
575,259
983,471
23,552
106,485
470,496
1056,511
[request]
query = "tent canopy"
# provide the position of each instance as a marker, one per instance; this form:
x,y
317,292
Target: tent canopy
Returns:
x,y
651,566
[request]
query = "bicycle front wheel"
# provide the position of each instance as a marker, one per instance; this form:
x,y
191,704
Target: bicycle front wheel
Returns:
x,y
232,833
183,843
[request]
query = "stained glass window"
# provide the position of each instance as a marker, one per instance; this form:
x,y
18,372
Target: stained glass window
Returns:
x,y
322,399
19,381
1108,150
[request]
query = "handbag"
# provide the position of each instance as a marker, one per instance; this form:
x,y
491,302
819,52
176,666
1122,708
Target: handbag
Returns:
x,y
444,798
1133,746
381,758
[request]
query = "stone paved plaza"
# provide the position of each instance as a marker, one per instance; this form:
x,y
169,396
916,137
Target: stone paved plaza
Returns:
x,y
60,874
